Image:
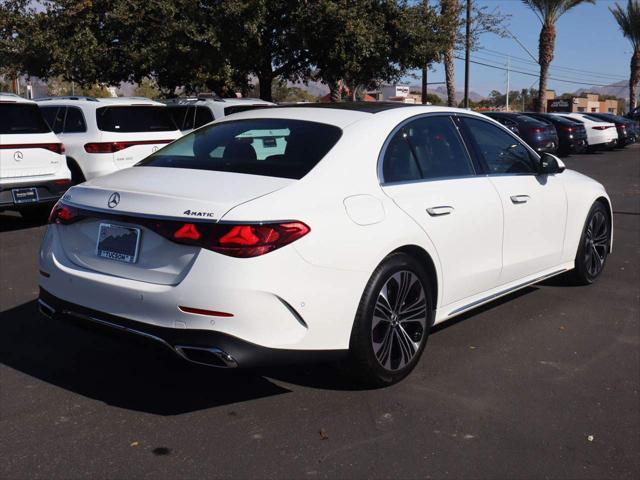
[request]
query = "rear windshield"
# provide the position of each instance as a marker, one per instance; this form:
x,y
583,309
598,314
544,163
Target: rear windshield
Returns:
x,y
268,147
530,120
21,118
134,118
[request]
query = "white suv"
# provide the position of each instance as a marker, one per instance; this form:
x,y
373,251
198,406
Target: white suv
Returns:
x,y
33,171
103,135
192,113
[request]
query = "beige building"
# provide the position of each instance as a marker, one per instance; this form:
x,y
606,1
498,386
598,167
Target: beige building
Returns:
x,y
588,103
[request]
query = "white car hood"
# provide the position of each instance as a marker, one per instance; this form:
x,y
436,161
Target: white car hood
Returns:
x,y
172,192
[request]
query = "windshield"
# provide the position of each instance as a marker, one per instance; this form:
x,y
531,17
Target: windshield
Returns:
x,y
268,147
21,118
134,118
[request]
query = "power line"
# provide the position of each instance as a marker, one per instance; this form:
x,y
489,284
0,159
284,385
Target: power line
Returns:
x,y
577,70
534,74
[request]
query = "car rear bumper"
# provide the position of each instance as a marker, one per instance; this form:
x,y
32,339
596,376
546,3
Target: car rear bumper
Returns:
x,y
215,349
48,192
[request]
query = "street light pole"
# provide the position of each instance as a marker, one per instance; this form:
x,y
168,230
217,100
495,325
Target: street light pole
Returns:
x,y
424,84
467,58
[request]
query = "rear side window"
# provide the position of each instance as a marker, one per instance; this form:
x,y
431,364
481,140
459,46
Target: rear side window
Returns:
x,y
268,147
50,115
203,116
134,118
74,122
21,118
182,116
426,149
502,152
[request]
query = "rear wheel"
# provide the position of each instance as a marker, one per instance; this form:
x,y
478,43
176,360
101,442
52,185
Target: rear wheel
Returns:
x,y
594,246
76,172
392,323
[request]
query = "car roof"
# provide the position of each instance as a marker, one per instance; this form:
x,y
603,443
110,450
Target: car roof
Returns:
x,y
6,97
97,102
343,114
174,102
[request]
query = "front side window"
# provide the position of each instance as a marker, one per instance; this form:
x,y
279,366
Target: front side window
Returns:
x,y
134,118
269,147
21,118
74,123
502,152
428,148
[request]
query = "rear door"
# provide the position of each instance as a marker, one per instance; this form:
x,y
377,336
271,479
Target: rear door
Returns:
x,y
428,173
534,205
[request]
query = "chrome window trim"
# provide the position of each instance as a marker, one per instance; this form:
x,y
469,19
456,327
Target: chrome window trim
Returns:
x,y
385,145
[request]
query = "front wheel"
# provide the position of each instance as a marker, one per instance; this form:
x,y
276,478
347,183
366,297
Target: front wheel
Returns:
x,y
594,246
392,323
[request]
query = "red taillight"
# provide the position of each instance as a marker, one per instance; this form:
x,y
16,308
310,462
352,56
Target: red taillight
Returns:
x,y
53,147
567,129
604,127
234,240
112,147
63,214
536,130
62,181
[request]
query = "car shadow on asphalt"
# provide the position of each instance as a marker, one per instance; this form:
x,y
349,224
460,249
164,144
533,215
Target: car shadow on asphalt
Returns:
x,y
136,374
10,221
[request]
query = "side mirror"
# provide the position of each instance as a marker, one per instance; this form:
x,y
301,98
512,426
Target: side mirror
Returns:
x,y
550,164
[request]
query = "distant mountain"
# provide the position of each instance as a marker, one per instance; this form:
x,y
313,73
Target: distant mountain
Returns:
x,y
441,91
619,89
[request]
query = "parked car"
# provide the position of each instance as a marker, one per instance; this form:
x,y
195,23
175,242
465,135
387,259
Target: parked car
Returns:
x,y
192,113
233,257
626,128
103,135
600,135
541,136
33,170
572,136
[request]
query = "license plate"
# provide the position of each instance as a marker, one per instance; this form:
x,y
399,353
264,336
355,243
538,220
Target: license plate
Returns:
x,y
118,243
25,195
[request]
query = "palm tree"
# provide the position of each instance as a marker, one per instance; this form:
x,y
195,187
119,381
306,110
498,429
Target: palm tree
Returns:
x,y
450,8
548,12
629,21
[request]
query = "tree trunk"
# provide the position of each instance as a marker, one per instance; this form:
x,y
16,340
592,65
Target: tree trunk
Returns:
x,y
265,82
634,79
449,72
335,91
450,8
546,46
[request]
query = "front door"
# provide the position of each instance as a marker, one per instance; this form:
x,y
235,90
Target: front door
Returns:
x,y
428,173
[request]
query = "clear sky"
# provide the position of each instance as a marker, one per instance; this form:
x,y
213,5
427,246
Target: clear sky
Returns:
x,y
588,40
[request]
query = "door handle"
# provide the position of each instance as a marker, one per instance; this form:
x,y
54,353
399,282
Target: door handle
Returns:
x,y
440,211
519,199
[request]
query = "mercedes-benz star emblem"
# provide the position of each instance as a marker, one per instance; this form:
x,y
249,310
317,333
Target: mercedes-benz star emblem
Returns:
x,y
114,200
17,156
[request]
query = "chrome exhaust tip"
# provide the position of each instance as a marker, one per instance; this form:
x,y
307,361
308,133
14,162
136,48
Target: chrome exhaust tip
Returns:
x,y
211,357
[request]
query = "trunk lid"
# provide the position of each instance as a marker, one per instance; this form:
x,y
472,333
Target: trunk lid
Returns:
x,y
176,193
24,156
173,192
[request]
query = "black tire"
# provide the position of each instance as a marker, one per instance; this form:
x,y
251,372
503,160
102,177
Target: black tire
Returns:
x,y
595,240
401,341
76,172
37,213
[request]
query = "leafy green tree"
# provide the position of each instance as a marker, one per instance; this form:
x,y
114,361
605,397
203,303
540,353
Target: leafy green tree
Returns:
x,y
548,12
629,21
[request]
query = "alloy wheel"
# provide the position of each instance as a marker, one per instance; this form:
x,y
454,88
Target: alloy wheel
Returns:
x,y
399,320
596,244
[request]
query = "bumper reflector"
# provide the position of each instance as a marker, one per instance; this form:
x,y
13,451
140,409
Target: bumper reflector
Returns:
x,y
200,311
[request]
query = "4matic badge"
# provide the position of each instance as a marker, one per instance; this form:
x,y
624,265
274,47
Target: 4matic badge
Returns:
x,y
193,213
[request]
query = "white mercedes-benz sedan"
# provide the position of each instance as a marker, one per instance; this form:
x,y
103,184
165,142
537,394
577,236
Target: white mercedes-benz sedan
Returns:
x,y
320,231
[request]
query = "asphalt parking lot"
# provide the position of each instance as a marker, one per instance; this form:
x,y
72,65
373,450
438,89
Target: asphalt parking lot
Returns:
x,y
542,384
